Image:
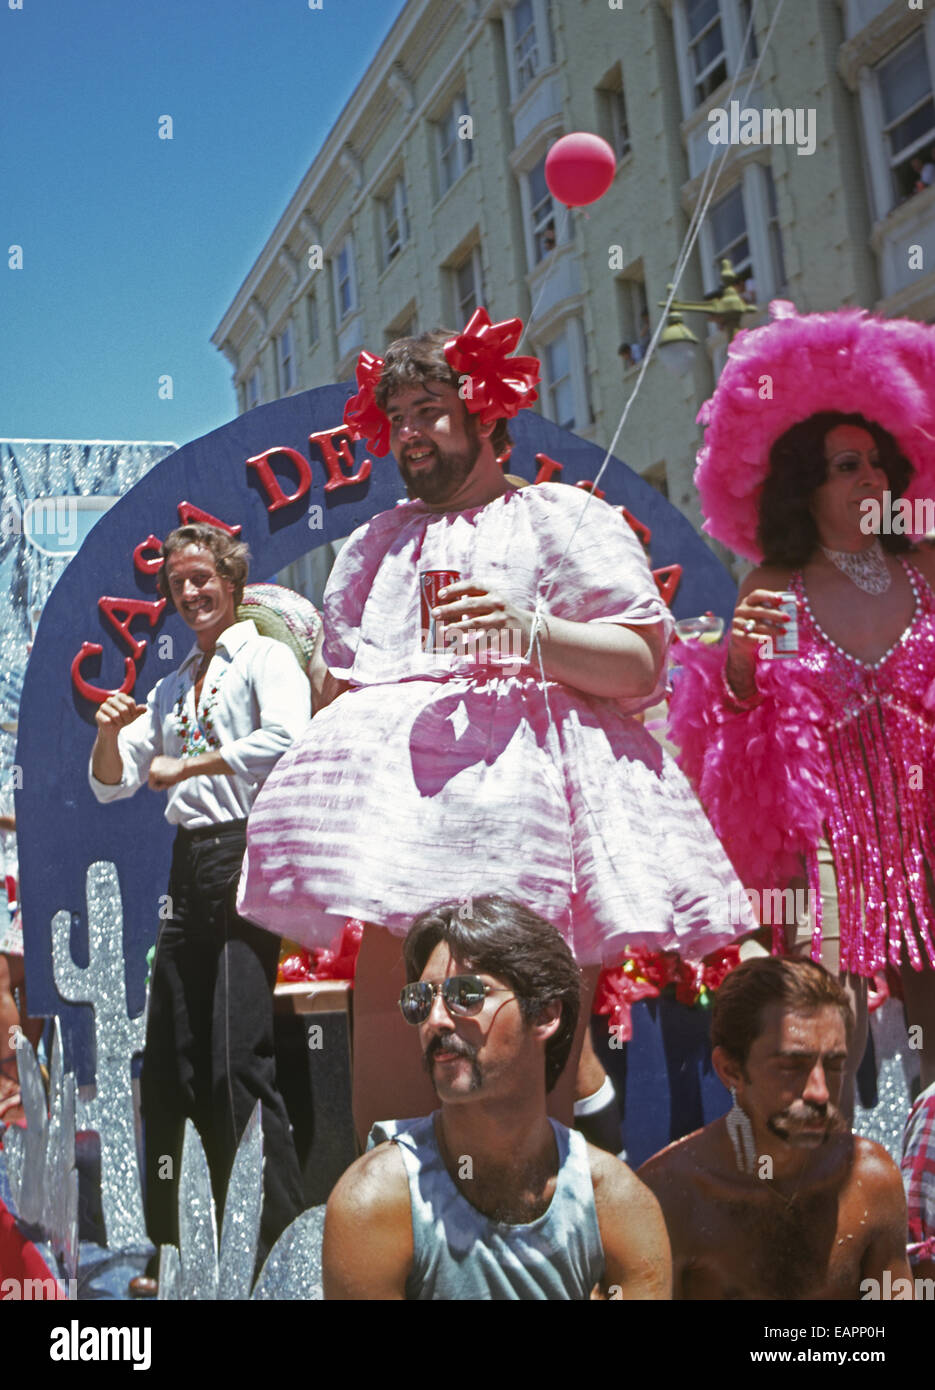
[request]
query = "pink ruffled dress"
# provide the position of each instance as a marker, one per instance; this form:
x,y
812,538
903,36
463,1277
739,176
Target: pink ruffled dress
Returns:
x,y
837,749
442,776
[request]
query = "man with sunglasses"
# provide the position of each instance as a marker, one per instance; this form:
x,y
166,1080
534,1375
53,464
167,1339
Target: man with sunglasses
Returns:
x,y
488,1198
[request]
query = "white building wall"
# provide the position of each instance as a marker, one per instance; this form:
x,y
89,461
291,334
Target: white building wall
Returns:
x,y
837,247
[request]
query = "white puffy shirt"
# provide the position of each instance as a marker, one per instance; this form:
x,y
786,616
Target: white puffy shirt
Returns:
x,y
263,703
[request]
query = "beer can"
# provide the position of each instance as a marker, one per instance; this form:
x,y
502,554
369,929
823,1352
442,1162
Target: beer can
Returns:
x,y
431,582
787,643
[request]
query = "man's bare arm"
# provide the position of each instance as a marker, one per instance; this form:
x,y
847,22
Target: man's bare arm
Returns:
x,y
638,1262
882,1189
367,1251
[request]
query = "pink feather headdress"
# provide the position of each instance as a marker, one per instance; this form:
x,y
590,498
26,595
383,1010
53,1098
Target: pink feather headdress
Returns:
x,y
794,367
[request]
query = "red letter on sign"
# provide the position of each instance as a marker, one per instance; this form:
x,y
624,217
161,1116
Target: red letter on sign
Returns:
x,y
128,609
139,555
642,530
547,467
94,692
189,512
588,486
277,498
326,439
667,581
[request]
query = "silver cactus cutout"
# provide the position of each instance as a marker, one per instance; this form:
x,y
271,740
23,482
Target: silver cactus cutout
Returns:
x,y
196,1270
102,984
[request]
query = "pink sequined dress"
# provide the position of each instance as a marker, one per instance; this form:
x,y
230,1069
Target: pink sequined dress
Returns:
x,y
838,749
442,776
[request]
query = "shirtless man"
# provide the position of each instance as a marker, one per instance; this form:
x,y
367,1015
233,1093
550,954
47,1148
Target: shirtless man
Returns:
x,y
778,1199
488,1198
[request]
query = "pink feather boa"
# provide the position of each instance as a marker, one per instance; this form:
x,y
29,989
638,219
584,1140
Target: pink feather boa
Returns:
x,y
762,775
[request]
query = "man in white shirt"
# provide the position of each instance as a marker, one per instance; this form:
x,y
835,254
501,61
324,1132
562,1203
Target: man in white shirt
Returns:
x,y
208,735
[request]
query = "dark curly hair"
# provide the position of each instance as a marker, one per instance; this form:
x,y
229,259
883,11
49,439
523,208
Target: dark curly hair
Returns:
x,y
411,361
503,938
787,533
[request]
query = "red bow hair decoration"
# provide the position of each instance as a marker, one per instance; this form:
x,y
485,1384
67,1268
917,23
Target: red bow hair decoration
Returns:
x,y
498,386
495,386
362,416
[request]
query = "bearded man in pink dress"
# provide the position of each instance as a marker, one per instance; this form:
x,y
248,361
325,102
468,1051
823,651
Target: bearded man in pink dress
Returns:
x,y
504,759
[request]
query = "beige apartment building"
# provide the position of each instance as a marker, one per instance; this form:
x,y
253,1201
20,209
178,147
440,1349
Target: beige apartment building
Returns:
x,y
428,196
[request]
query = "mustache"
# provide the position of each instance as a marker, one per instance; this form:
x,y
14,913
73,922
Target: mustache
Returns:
x,y
452,1043
805,1112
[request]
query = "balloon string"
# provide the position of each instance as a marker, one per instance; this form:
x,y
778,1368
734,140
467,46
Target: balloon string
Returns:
x,y
702,204
565,214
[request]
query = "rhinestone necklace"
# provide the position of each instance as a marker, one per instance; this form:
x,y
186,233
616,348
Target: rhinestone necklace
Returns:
x,y
865,568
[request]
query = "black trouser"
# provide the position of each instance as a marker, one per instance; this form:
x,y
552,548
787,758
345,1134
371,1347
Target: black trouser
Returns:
x,y
209,1038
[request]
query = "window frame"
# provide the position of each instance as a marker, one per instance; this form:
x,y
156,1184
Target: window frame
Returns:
x,y
285,359
348,278
461,157
553,384
536,228
394,210
518,62
700,80
571,328
471,262
612,112
312,321
921,144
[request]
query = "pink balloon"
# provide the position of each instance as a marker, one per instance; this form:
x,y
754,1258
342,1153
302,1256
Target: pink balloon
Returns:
x,y
579,168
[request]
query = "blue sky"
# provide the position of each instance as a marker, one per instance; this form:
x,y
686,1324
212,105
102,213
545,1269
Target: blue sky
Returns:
x,y
133,246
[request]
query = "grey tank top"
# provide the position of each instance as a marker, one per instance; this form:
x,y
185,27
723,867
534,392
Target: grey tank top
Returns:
x,y
459,1253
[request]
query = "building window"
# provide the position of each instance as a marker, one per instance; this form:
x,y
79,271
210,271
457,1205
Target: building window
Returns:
x,y
612,112
468,286
774,236
254,388
750,53
707,57
345,289
729,233
525,44
905,85
541,213
286,360
394,221
560,390
455,150
633,316
311,320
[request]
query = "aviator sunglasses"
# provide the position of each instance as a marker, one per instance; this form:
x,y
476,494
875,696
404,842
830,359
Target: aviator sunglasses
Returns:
x,y
463,995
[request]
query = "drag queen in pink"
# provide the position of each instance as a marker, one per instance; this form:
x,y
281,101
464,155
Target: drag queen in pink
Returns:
x,y
823,763
451,773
